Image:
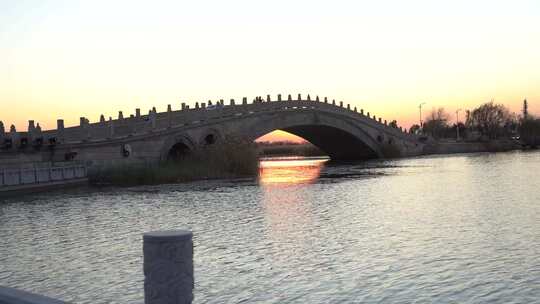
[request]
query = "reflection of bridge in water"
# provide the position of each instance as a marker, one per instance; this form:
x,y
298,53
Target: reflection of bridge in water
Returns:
x,y
337,129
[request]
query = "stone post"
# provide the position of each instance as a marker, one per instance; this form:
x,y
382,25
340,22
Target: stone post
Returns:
x,y
367,115
326,100
267,98
232,102
355,110
341,104
168,267
279,97
82,121
289,98
317,98
120,115
102,118
203,105
362,111
31,126
60,130
197,105
385,122
380,120
333,102
111,127
183,107
137,112
2,131
348,106
308,97
299,97
221,102
244,100
169,108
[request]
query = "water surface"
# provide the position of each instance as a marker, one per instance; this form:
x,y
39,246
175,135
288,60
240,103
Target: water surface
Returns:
x,y
445,229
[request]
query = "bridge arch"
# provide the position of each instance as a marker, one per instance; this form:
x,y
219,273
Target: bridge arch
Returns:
x,y
176,147
336,136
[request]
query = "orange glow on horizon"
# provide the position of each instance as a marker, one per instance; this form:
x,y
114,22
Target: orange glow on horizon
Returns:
x,y
279,135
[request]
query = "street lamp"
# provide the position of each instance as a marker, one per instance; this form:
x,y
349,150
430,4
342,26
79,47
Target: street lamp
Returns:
x,y
457,124
420,107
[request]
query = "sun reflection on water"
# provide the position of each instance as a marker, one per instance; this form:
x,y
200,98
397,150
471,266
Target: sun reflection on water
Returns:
x,y
290,171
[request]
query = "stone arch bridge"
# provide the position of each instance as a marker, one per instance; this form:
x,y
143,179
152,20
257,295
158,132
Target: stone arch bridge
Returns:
x,y
344,133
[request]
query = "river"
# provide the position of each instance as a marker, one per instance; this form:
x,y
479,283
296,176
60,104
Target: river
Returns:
x,y
437,229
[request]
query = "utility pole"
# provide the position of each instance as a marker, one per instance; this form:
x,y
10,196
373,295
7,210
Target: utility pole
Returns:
x,y
421,123
457,123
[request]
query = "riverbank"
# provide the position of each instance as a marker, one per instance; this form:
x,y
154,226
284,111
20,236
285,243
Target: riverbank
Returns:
x,y
455,147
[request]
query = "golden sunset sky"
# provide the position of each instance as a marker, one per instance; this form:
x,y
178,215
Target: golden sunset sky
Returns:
x,y
67,59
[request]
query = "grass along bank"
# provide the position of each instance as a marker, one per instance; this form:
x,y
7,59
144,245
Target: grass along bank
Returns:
x,y
228,159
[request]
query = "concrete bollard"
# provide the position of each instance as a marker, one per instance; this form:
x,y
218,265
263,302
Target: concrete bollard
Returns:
x,y
168,267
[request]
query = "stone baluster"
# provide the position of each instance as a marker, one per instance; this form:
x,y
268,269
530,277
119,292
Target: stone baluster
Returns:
x,y
14,135
31,126
31,130
152,117
308,97
279,97
168,267
111,128
299,97
2,132
60,130
289,98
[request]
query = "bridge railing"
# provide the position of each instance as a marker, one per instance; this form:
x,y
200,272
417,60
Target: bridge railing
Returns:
x,y
142,124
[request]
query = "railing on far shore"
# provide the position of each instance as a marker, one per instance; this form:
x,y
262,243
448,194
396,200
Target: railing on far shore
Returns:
x,y
40,176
